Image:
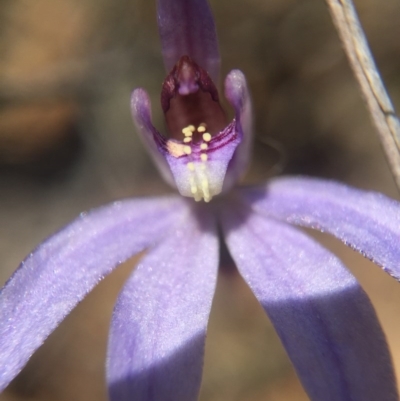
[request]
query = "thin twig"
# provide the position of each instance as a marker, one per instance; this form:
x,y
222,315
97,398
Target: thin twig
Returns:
x,y
380,106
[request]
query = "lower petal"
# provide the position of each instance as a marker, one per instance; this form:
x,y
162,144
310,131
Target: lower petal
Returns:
x,y
62,270
369,222
159,324
324,319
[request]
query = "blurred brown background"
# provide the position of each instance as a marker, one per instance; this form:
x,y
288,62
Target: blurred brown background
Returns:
x,y
67,144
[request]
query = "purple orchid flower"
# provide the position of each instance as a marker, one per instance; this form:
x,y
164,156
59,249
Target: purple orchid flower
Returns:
x,y
323,317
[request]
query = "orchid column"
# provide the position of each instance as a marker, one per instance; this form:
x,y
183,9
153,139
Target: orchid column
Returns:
x,y
203,154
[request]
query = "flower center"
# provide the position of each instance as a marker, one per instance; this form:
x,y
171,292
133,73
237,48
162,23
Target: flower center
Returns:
x,y
200,142
196,161
189,97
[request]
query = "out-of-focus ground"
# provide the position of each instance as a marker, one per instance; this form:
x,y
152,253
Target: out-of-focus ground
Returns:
x,y
67,144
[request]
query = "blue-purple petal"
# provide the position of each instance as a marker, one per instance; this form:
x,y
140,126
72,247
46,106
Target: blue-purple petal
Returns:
x,y
324,319
368,222
158,328
63,269
187,28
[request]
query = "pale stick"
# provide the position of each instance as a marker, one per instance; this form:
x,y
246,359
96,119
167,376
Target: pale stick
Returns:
x,y
380,106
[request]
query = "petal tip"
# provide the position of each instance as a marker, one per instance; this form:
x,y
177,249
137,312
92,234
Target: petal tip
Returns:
x,y
236,88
